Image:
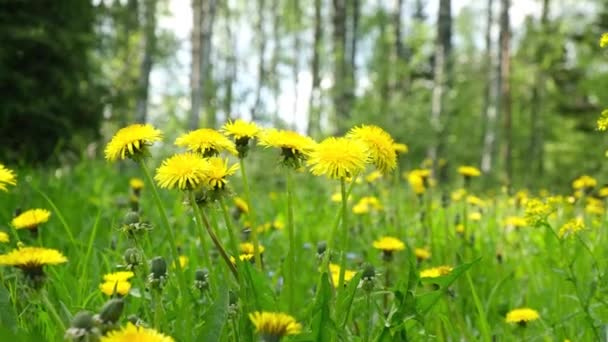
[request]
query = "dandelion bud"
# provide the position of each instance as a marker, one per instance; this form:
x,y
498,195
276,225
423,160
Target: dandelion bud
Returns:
x,y
133,258
111,311
368,276
158,267
321,247
131,217
82,328
232,304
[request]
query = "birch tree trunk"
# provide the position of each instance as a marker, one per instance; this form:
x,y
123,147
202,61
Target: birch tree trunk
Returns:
x,y
195,70
149,42
505,90
339,89
489,98
261,34
314,113
207,86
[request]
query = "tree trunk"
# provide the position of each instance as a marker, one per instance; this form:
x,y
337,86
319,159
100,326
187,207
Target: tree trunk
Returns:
x,y
441,83
505,89
340,86
535,150
296,58
196,72
207,86
314,113
274,60
149,42
397,14
230,63
260,32
489,98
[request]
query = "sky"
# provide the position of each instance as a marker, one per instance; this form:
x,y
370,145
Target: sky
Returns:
x,y
179,21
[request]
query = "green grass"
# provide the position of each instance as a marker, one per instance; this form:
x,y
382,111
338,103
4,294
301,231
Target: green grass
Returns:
x,y
495,269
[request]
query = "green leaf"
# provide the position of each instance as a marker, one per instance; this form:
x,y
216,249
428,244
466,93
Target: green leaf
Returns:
x,y
322,324
346,297
258,288
426,301
215,318
8,318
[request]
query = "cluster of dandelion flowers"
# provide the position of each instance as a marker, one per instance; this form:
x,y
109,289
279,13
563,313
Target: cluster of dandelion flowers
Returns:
x,y
436,272
380,146
216,175
184,171
388,245
31,219
294,147
584,182
133,333
571,228
274,325
7,177
338,158
207,142
522,316
131,142
242,132
32,259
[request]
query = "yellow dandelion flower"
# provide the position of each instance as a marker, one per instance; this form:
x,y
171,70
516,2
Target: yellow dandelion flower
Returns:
x,y
334,271
118,276
416,183
7,177
111,287
469,171
522,315
422,254
373,176
218,172
133,333
594,208
185,171
241,129
515,221
475,216
361,208
247,248
389,244
31,219
380,146
604,40
136,183
458,195
294,147
241,205
584,182
4,238
274,324
603,192
476,201
338,158
32,257
571,227
336,197
371,201
400,148
207,142
242,257
602,121
183,262
436,272
131,141
460,228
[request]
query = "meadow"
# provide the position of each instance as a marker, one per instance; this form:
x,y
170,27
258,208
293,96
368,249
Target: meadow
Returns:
x,y
294,240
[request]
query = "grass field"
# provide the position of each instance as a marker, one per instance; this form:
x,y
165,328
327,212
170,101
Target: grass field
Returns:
x,y
324,261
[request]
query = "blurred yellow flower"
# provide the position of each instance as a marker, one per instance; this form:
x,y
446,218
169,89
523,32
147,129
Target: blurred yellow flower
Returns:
x,y
469,171
335,274
537,211
604,40
118,276
476,201
522,315
241,205
389,244
400,148
436,272
515,222
136,183
31,219
7,177
603,192
602,121
207,142
112,287
571,227
458,194
475,216
373,176
247,248
131,141
379,144
584,182
4,238
422,254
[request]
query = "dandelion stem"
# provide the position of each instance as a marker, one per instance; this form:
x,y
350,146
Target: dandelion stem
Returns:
x,y
368,314
251,216
52,310
199,229
230,228
201,219
291,257
344,235
163,214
